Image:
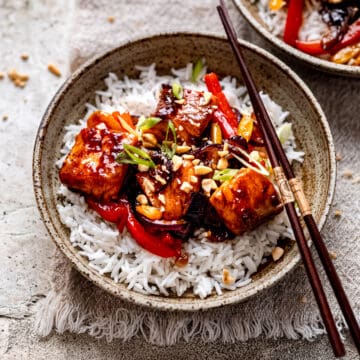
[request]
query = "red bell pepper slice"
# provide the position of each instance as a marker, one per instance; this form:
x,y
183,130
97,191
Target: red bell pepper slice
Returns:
x,y
110,211
316,47
311,47
293,21
351,37
213,85
163,245
227,130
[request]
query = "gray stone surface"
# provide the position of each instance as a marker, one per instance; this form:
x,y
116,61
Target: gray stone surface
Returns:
x,y
40,28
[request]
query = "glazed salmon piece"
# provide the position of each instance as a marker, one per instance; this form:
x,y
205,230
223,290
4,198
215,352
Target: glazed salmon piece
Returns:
x,y
245,201
175,197
190,115
90,167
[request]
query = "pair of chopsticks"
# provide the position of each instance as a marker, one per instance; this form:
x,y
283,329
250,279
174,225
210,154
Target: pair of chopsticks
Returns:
x,y
290,189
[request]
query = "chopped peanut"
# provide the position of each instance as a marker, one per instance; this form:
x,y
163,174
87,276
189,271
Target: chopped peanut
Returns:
x,y
142,199
5,117
333,255
202,170
2,75
54,70
24,57
193,179
196,161
222,164
223,153
182,149
303,300
188,157
347,174
177,162
338,157
150,212
111,19
208,185
186,187
18,79
149,140
337,213
162,199
160,179
277,253
143,168
227,278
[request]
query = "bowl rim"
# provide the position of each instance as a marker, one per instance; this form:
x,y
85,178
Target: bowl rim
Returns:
x,y
160,302
318,63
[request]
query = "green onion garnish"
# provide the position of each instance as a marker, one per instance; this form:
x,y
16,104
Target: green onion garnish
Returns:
x,y
225,175
165,148
197,69
177,90
147,123
135,156
284,132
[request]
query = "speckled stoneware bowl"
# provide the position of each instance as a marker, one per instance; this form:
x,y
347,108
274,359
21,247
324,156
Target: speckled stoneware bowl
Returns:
x,y
175,50
249,10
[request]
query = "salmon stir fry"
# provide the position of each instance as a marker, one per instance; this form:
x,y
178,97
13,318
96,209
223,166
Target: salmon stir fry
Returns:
x,y
195,162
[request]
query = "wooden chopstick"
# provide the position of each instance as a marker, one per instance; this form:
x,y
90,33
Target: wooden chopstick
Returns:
x,y
277,157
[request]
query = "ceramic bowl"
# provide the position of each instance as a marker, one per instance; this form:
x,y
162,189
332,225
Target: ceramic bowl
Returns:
x,y
176,50
249,10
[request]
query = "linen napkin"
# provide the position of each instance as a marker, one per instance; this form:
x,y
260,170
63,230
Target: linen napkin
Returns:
x,y
288,309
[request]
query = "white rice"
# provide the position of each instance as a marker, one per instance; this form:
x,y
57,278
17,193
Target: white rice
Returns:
x,y
313,28
118,255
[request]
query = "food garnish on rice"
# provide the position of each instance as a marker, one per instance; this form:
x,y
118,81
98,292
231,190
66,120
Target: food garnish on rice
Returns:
x,y
329,29
178,178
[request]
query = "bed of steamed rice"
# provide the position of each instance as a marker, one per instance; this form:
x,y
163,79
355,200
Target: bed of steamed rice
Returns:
x,y
313,28
118,255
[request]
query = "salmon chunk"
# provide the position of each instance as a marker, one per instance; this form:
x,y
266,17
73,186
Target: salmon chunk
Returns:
x,y
91,168
245,201
190,115
175,197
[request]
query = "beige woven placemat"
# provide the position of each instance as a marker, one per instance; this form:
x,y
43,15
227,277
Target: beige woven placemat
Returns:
x,y
288,309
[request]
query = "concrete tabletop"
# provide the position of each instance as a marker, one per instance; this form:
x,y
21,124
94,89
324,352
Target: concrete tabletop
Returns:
x,y
40,28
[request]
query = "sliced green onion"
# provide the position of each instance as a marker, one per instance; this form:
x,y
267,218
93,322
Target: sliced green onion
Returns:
x,y
135,156
165,148
284,132
147,123
197,69
177,90
259,169
225,175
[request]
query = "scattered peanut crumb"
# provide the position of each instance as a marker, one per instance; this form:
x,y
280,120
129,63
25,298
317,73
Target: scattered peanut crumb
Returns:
x,y
338,157
356,180
5,117
111,19
337,213
333,255
277,253
54,70
227,278
18,79
347,174
24,57
303,300
2,75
